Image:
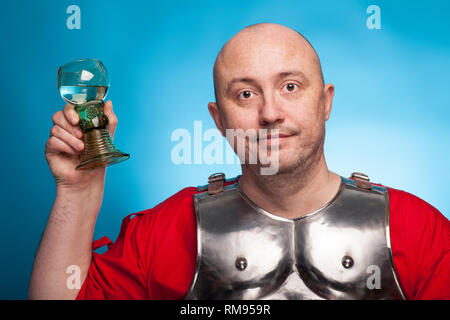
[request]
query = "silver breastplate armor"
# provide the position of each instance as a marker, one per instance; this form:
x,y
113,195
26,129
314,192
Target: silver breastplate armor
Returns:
x,y
340,251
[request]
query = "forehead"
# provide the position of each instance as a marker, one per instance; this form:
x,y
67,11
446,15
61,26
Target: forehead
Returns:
x,y
262,56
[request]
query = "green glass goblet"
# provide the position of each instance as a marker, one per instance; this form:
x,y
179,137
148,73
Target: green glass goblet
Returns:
x,y
84,83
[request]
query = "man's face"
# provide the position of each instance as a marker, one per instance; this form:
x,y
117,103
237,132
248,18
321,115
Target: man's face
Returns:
x,y
273,81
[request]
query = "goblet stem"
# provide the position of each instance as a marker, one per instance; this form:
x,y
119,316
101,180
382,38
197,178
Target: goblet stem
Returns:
x,y
99,150
91,115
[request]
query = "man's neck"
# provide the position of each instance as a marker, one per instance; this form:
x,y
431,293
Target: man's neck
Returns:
x,y
291,195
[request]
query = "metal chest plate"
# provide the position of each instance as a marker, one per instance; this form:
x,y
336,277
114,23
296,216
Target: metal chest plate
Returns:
x,y
245,252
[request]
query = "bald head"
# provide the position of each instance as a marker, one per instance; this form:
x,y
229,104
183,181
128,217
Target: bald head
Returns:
x,y
247,50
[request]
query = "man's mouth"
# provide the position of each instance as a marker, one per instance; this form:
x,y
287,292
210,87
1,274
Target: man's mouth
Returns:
x,y
274,138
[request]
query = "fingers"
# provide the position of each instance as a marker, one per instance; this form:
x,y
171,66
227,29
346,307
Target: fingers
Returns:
x,y
68,120
108,111
65,134
56,145
70,114
67,137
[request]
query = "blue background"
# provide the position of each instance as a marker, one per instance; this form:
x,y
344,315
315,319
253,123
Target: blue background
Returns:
x,y
389,119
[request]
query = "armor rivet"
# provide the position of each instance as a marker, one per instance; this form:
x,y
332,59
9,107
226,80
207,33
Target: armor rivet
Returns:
x,y
241,263
347,262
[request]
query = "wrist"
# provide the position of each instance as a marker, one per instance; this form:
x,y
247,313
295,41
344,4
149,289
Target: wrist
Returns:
x,y
79,190
78,202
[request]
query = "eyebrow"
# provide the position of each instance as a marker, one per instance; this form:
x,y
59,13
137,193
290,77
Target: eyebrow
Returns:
x,y
291,73
278,76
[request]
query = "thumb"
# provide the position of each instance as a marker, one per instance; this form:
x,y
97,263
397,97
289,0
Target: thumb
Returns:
x,y
108,111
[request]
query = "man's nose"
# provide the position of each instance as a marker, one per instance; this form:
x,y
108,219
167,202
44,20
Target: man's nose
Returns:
x,y
270,111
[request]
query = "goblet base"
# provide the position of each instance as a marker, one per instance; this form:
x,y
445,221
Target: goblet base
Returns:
x,y
99,151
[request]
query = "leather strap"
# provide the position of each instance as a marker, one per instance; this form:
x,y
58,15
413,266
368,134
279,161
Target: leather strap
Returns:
x,y
362,180
215,183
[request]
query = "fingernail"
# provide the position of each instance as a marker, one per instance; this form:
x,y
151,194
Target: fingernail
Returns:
x,y
80,145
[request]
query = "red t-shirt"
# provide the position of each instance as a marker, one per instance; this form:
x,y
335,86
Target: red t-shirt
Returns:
x,y
155,253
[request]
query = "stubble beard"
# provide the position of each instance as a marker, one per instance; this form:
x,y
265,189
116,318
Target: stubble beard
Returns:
x,y
294,173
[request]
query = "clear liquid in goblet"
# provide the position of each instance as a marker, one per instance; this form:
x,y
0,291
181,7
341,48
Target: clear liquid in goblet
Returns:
x,y
77,95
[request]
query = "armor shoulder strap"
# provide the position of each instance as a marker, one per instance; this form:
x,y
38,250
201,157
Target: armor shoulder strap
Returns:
x,y
216,183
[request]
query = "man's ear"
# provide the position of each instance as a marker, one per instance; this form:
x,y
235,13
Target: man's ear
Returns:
x,y
215,114
328,94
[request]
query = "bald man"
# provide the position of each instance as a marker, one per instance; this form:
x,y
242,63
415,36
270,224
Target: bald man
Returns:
x,y
301,232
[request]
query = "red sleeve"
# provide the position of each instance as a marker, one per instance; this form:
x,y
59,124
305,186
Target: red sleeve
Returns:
x,y
420,237
152,258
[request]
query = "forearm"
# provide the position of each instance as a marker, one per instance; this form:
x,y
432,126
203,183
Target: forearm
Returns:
x,y
66,241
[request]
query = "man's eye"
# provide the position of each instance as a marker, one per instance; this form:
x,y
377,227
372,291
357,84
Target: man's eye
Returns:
x,y
245,94
291,87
